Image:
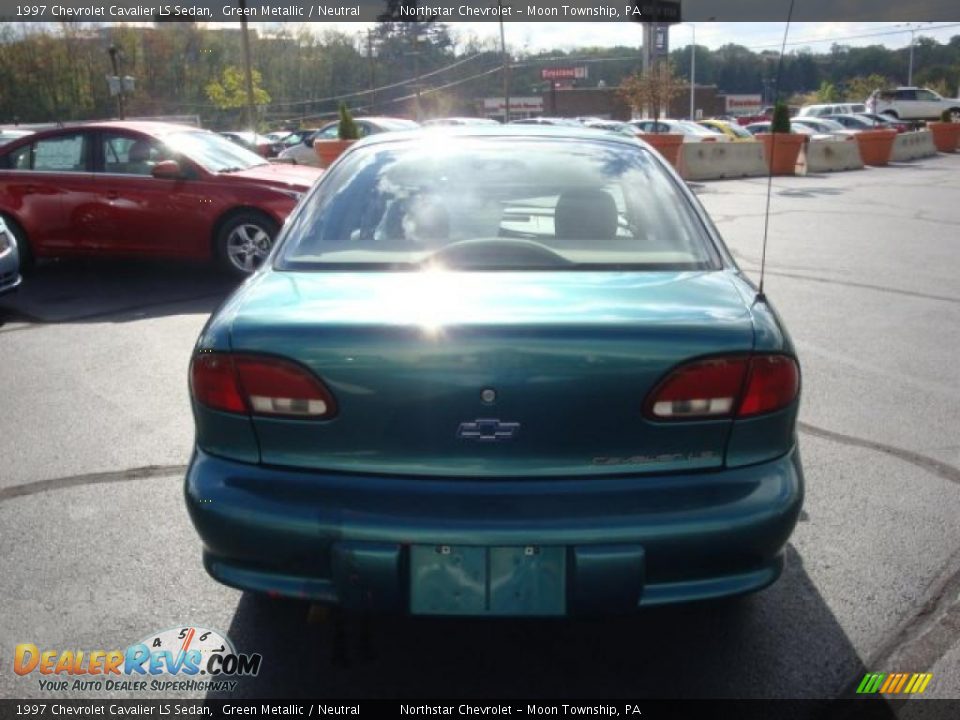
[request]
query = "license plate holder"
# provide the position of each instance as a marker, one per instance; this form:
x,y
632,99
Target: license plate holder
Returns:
x,y
522,580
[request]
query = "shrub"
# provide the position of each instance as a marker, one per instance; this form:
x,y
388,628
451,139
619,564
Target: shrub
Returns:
x,y
781,119
946,116
347,130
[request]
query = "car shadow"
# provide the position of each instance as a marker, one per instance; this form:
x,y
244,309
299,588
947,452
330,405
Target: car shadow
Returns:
x,y
781,643
74,291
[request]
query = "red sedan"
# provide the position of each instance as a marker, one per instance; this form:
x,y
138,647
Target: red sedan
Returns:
x,y
145,189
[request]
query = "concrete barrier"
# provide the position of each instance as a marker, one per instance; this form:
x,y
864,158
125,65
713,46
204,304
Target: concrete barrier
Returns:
x,y
712,161
829,156
913,145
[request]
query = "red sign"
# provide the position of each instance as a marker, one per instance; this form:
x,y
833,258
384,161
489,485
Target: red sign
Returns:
x,y
568,73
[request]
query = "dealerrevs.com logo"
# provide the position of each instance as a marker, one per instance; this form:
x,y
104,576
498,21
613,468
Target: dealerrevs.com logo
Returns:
x,y
188,658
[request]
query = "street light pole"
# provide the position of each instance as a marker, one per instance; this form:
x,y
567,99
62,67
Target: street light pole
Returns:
x,y
416,68
910,69
693,71
506,68
114,51
373,89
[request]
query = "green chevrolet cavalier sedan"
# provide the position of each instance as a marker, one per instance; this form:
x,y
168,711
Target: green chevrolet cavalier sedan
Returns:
x,y
496,371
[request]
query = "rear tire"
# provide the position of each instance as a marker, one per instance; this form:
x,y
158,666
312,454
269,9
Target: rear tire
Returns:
x,y
25,253
244,241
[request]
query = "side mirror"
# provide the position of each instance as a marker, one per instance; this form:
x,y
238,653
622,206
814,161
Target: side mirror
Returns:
x,y
167,170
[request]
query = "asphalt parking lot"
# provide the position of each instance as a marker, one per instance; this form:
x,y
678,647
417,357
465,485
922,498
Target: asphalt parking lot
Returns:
x,y
96,550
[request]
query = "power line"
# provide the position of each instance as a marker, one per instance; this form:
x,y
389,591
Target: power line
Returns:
x,y
813,41
331,98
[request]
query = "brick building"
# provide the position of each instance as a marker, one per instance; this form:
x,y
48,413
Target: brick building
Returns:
x,y
607,103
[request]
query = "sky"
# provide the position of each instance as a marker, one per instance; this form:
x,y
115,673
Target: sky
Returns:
x,y
818,36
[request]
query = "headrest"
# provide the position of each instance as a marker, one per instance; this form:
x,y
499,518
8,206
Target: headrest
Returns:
x,y
426,219
139,151
585,215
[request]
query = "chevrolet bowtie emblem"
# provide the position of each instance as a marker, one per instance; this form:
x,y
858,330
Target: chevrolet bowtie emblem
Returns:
x,y
488,430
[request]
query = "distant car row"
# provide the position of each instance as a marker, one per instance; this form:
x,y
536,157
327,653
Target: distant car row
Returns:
x,y
157,189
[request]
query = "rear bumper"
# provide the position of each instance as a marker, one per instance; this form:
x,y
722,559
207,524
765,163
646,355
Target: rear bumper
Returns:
x,y
614,543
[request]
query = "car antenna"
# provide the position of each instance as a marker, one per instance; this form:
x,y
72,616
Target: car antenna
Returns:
x,y
773,143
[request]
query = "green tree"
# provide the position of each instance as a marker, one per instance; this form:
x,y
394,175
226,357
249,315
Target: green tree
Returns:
x,y
828,93
859,88
230,91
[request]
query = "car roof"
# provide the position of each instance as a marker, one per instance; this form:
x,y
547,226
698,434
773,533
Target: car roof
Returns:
x,y
559,132
157,129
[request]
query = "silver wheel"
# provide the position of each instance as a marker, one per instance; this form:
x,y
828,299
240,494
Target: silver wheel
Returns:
x,y
248,245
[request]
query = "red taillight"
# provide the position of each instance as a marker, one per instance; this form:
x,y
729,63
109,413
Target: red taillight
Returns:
x,y
213,383
773,383
259,385
721,387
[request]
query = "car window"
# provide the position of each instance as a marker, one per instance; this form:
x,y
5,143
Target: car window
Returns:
x,y
906,94
63,153
19,159
524,204
926,96
330,132
127,155
212,152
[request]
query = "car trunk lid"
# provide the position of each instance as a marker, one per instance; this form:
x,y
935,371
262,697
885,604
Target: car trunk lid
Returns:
x,y
491,374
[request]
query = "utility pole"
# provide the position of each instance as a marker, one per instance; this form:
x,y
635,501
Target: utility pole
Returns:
x,y
247,69
506,67
416,69
910,69
114,52
693,71
373,89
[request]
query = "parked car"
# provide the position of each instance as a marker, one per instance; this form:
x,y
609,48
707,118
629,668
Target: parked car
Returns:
x,y
567,122
823,126
731,130
885,122
830,109
278,136
800,128
523,376
690,130
9,260
912,103
303,153
450,121
9,135
260,144
146,189
613,126
850,122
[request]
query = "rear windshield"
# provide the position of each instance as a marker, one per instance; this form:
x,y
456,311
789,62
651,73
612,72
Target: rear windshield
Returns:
x,y
498,203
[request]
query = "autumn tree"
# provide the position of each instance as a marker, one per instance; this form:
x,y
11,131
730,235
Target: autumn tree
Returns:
x,y
651,92
858,89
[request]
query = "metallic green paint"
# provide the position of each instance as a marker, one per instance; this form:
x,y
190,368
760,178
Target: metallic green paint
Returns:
x,y
636,540
345,511
571,357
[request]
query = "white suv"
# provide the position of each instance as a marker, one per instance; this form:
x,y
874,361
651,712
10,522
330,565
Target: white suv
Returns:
x,y
910,103
832,109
